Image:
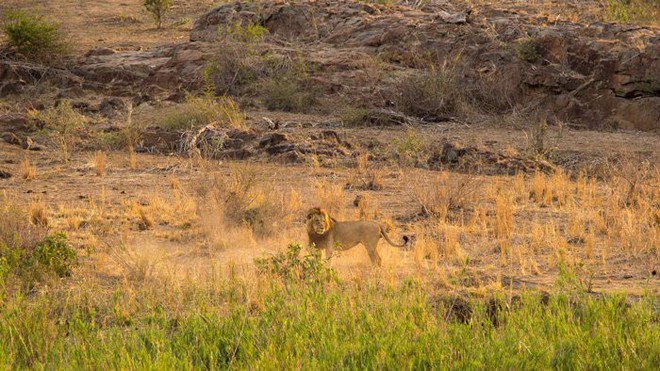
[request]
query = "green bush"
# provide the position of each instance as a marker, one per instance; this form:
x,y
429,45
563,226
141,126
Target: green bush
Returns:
x,y
54,254
250,33
27,253
158,9
527,51
289,265
33,37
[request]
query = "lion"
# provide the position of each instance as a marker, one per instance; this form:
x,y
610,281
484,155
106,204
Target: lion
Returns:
x,y
328,234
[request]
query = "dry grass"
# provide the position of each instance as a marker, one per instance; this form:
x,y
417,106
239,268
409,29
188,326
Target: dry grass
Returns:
x,y
99,163
331,197
37,212
446,193
367,176
16,230
28,170
201,111
132,159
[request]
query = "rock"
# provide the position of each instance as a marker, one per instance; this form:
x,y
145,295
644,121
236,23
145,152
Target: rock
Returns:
x,y
110,105
455,18
71,93
99,52
272,139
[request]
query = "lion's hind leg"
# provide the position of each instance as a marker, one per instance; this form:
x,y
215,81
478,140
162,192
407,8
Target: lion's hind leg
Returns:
x,y
373,254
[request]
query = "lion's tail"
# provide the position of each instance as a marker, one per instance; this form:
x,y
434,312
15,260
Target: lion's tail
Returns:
x,y
387,238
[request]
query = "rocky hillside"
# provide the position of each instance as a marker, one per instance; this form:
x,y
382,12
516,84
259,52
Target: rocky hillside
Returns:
x,y
433,63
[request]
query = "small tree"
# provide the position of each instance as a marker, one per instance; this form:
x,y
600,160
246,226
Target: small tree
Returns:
x,y
158,8
32,36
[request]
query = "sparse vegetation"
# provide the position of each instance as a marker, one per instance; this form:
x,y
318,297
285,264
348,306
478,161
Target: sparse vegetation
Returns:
x,y
527,51
33,37
354,116
289,93
28,170
627,11
204,110
27,255
99,162
435,92
62,125
410,147
249,33
158,9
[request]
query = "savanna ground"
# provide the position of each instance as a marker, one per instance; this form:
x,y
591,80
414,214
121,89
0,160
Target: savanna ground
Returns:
x,y
181,261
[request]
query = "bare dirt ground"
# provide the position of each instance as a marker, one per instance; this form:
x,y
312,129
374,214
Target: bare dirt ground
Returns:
x,y
96,211
105,215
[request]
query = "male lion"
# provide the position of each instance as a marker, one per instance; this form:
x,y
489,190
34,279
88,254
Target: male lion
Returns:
x,y
327,233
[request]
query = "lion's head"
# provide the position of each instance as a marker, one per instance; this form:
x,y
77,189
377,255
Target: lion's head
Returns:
x,y
318,221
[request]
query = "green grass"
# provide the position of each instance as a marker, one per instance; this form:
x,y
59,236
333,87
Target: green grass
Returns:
x,y
288,324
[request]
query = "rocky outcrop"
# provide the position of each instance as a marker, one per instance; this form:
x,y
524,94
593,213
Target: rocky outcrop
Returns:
x,y
595,75
588,75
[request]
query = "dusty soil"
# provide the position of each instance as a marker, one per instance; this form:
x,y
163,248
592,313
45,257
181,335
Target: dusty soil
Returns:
x,y
97,211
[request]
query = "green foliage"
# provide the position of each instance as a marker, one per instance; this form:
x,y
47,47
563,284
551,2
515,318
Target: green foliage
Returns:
x,y
34,37
158,9
628,11
250,33
54,254
229,71
527,51
24,266
354,116
27,254
410,147
289,265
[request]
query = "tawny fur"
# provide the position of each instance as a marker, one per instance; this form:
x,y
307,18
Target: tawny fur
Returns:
x,y
328,234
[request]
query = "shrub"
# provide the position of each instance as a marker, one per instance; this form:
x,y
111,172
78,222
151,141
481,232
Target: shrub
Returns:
x,y
34,37
249,33
289,265
158,8
229,71
27,254
62,124
444,194
352,116
287,94
15,230
527,51
54,254
410,147
200,111
434,92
